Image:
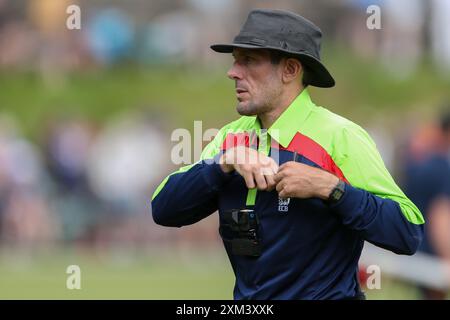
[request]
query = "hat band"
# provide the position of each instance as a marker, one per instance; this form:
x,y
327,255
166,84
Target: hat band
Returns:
x,y
277,44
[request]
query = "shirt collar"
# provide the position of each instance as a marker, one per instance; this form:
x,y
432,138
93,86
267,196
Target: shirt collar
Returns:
x,y
288,123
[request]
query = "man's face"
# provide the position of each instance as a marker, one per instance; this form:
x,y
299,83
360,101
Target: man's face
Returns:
x,y
257,81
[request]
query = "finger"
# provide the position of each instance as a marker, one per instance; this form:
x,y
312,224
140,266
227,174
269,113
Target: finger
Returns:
x,y
280,186
274,166
286,191
278,177
264,160
249,181
269,174
270,182
260,180
266,171
283,194
289,167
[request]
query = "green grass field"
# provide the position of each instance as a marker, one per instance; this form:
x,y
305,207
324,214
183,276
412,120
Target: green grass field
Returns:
x,y
158,276
205,275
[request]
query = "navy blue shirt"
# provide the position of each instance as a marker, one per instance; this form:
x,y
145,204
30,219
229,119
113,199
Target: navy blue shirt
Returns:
x,y
424,182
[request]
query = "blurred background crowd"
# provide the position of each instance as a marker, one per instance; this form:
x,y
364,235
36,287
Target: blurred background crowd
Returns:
x,y
86,118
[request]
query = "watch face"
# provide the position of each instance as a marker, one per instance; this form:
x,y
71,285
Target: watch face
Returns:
x,y
337,194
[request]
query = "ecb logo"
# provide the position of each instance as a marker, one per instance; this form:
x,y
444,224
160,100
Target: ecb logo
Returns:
x,y
283,204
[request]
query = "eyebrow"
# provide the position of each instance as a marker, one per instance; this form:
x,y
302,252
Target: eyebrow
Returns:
x,y
245,52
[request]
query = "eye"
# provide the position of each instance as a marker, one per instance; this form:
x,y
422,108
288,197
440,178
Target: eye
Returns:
x,y
248,59
244,59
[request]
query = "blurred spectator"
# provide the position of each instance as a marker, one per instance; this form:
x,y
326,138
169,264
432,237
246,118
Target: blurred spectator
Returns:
x,y
440,33
18,45
28,223
68,147
110,35
57,48
126,160
49,16
402,46
92,189
25,218
169,38
35,33
428,186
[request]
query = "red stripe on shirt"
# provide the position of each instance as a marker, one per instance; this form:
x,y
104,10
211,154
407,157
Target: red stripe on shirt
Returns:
x,y
244,139
310,149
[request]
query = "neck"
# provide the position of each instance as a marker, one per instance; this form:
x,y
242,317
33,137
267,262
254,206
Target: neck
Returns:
x,y
268,118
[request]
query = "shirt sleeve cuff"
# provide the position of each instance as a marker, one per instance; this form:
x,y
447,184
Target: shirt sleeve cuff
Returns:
x,y
350,206
349,201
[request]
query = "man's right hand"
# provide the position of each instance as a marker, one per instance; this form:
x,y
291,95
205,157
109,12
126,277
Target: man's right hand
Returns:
x,y
256,168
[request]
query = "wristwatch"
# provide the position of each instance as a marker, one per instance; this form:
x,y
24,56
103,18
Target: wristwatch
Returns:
x,y
337,192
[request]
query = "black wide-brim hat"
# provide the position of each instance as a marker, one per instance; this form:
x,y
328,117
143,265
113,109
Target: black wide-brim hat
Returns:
x,y
286,32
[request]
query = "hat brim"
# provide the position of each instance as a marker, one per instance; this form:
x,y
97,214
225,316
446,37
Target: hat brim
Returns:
x,y
315,73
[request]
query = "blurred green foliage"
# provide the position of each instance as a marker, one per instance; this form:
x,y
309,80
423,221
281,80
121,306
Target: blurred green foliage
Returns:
x,y
180,94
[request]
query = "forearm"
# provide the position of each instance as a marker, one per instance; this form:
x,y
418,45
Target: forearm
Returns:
x,y
439,224
378,220
189,196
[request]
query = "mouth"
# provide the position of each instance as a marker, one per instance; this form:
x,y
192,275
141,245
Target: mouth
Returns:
x,y
240,92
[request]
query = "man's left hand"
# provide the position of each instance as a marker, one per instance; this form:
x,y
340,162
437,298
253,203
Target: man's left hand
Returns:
x,y
298,180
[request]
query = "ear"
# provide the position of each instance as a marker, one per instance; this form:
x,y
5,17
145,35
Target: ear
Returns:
x,y
292,70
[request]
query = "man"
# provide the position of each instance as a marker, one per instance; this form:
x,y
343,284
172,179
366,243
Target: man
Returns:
x,y
427,182
311,187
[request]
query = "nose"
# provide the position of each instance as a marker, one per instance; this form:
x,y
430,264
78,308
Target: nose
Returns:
x,y
234,73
